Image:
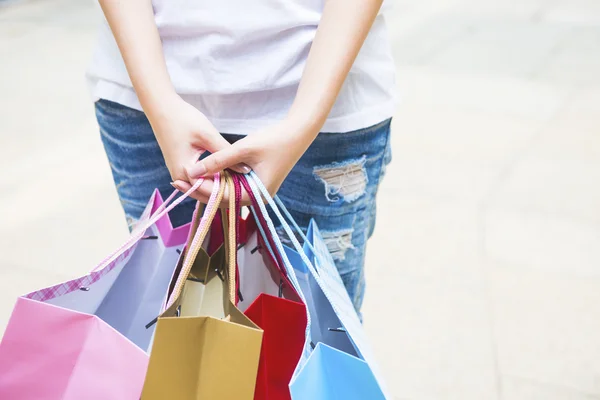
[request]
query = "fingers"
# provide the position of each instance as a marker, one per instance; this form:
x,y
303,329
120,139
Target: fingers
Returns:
x,y
228,157
198,169
241,168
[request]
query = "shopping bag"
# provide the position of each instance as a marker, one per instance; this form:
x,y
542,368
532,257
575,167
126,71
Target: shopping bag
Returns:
x,y
332,374
327,291
336,355
283,322
204,346
326,326
85,338
269,300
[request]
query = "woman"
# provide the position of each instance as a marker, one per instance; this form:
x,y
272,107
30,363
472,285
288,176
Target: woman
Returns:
x,y
177,77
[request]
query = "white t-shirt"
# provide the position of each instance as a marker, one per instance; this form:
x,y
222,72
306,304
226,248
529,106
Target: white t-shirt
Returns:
x,y
240,63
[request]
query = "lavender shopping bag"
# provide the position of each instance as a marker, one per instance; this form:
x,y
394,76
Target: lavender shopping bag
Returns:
x,y
86,338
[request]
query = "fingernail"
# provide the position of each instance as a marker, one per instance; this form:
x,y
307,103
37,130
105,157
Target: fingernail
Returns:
x,y
246,169
176,186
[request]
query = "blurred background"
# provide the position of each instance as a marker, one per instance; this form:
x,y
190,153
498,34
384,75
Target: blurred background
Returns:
x,y
484,271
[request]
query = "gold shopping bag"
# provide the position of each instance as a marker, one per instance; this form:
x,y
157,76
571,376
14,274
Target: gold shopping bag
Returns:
x,y
204,346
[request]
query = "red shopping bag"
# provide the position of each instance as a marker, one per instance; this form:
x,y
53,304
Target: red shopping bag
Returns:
x,y
283,322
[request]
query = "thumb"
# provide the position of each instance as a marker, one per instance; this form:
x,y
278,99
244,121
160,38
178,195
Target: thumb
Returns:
x,y
228,157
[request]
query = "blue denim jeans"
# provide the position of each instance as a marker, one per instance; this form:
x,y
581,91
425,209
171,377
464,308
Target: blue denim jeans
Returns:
x,y
335,182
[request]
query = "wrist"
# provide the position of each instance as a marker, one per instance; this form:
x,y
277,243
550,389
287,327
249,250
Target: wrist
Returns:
x,y
298,135
303,125
154,100
160,106
310,111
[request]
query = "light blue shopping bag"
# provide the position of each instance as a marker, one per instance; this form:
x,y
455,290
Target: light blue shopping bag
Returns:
x,y
330,374
336,331
326,326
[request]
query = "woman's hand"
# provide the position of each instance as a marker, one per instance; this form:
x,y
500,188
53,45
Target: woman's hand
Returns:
x,y
183,134
272,153
182,131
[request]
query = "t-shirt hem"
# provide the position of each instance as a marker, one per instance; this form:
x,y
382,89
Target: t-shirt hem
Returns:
x,y
345,123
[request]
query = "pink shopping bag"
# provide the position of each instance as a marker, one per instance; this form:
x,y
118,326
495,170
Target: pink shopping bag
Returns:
x,y
87,338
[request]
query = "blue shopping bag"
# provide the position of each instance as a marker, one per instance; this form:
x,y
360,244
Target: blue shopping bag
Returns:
x,y
332,374
333,323
326,326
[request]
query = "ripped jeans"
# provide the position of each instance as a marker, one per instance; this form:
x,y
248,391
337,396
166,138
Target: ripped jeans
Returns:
x,y
335,182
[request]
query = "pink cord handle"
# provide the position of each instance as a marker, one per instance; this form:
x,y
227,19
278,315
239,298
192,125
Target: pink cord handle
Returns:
x,y
138,232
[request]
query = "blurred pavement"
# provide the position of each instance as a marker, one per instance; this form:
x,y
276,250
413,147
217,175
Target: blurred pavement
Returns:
x,y
484,271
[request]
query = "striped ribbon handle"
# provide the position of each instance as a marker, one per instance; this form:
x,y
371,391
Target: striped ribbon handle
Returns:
x,y
231,247
237,179
138,232
204,226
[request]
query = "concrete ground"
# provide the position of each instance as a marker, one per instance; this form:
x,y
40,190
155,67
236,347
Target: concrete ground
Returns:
x,y
484,272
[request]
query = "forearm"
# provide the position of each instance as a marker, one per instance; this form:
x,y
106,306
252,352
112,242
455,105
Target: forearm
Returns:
x,y
133,26
344,27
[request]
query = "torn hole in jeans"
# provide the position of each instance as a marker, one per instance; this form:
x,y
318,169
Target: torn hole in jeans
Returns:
x,y
347,180
338,242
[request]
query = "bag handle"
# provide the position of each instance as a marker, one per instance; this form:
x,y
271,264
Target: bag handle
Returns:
x,y
257,186
297,228
251,178
260,221
259,190
231,239
196,218
236,178
196,243
262,232
222,181
138,232
291,274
